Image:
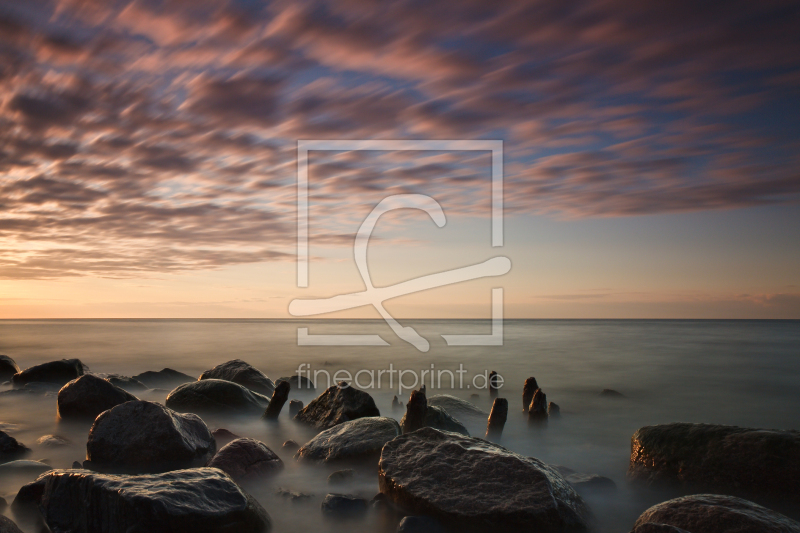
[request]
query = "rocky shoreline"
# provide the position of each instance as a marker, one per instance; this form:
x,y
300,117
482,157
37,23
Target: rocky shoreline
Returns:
x,y
153,467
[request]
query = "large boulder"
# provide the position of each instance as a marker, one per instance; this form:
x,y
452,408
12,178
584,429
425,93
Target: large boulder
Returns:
x,y
163,379
143,436
355,440
201,500
8,367
472,485
88,396
216,396
58,372
718,458
246,459
710,513
436,417
244,374
339,403
10,448
462,410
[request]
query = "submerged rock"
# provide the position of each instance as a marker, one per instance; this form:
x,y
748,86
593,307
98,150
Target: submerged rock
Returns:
x,y
710,513
8,367
586,482
58,372
718,458
10,448
125,383
343,506
53,441
223,436
22,467
88,396
163,379
201,500
436,417
475,486
246,459
215,396
356,440
290,445
295,406
553,410
341,476
244,374
462,410
611,393
147,437
339,403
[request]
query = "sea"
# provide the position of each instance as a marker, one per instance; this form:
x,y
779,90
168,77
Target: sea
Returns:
x,y
736,372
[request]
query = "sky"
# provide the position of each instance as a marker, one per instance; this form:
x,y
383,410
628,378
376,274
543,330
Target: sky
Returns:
x,y
651,155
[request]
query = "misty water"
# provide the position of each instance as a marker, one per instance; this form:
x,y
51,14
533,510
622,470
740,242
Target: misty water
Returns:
x,y
744,373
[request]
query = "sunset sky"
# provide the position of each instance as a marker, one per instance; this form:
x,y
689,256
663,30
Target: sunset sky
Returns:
x,y
148,160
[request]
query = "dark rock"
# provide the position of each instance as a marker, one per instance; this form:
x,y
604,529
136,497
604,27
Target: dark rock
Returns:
x,y
223,437
295,406
246,459
76,465
88,396
147,437
657,528
10,449
342,506
718,458
290,445
279,398
339,403
58,372
611,393
527,393
419,524
537,412
300,384
436,417
8,526
8,367
416,412
244,374
355,440
341,476
497,419
476,486
553,409
53,441
125,383
215,396
295,497
581,482
201,500
709,513
163,379
462,410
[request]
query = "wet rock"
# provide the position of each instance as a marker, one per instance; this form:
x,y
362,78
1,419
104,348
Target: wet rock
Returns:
x,y
22,467
88,396
246,459
473,485
8,526
147,437
295,406
163,379
718,458
125,383
611,393
295,497
215,396
527,393
201,500
58,372
474,397
462,410
339,403
244,374
342,506
553,409
537,412
416,412
223,436
300,384
419,524
355,440
290,445
53,441
10,449
279,398
8,367
341,477
709,513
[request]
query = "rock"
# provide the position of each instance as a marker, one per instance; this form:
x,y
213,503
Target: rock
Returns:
x,y
438,418
163,379
290,445
339,403
581,482
342,506
295,406
8,526
300,384
537,412
474,397
125,383
462,410
497,419
657,528
244,374
10,449
295,497
22,467
201,500
76,465
611,393
58,372
419,524
215,396
553,409
88,396
416,412
718,458
709,513
53,441
355,440
477,486
147,437
223,437
527,393
246,459
279,398
341,476
8,367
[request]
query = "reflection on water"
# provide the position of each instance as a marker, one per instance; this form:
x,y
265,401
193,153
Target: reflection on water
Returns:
x,y
728,372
